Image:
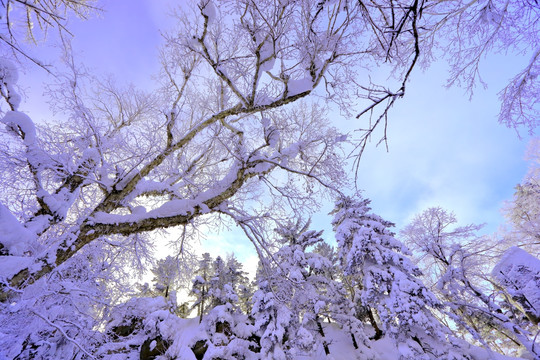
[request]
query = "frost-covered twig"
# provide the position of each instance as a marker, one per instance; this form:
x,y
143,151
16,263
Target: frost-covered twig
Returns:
x,y
62,331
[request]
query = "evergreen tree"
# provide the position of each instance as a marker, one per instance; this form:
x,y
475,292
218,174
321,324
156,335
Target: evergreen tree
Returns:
x,y
272,320
200,284
386,281
341,308
219,290
235,273
228,329
298,282
223,285
229,333
240,283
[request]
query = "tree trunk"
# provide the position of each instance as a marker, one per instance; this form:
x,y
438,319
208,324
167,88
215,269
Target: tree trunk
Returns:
x,y
355,344
378,331
321,331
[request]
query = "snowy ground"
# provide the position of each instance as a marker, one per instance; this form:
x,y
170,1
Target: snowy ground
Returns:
x,y
187,331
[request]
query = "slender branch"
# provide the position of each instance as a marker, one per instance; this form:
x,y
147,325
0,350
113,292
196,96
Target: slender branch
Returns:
x,y
62,331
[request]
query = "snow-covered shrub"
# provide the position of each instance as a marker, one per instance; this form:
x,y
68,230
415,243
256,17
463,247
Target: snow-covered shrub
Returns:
x,y
229,334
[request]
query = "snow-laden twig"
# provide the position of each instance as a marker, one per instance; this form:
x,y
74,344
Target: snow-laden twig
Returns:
x,y
69,338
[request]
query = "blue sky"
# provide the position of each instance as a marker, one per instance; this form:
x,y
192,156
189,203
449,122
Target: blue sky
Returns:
x,y
444,150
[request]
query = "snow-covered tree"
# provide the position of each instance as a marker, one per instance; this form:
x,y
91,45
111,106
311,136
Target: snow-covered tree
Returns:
x,y
201,284
386,282
217,282
272,319
518,274
434,237
456,259
23,22
523,211
235,272
229,333
240,283
140,328
340,294
221,289
297,281
166,275
58,320
228,329
524,214
171,274
466,31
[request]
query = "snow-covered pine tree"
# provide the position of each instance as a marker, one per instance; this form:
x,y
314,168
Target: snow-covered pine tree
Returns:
x,y
229,332
200,285
341,309
296,281
228,329
272,318
386,282
235,272
219,289
245,296
224,282
239,282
